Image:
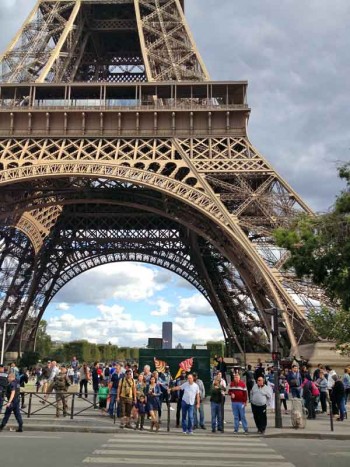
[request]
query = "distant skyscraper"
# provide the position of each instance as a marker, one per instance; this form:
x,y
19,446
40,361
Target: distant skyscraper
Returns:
x,y
167,335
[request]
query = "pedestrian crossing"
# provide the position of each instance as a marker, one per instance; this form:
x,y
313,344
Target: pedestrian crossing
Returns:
x,y
143,449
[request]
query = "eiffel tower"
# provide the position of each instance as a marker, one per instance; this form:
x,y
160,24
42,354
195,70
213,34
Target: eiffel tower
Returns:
x,y
115,145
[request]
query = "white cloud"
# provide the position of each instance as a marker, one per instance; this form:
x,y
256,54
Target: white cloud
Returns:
x,y
114,324
62,306
196,305
125,281
163,308
188,331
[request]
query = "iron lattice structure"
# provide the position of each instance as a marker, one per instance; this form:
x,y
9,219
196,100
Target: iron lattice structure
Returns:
x,y
115,145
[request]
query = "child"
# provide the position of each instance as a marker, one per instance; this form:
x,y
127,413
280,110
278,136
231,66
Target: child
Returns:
x,y
102,396
141,407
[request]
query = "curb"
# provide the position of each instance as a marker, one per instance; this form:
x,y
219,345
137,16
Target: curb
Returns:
x,y
115,430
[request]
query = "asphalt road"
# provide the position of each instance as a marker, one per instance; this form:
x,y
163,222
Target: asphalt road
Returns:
x,y
134,449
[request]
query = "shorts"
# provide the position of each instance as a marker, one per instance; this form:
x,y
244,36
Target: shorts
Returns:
x,y
126,406
102,403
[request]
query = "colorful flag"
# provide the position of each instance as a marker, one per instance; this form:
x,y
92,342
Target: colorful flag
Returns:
x,y
186,365
160,365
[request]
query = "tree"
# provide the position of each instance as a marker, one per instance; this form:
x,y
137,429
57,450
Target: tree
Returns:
x,y
320,246
43,340
320,250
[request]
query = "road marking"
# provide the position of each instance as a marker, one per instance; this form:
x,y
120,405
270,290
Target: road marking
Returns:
x,y
214,455
189,440
229,446
144,461
18,436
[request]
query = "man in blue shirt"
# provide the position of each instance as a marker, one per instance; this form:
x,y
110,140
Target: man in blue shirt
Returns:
x,y
13,392
115,379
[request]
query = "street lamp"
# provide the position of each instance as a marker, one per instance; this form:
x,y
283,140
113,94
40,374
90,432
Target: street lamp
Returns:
x,y
276,357
3,342
4,330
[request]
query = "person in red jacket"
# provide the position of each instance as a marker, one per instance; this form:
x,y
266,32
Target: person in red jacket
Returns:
x,y
239,397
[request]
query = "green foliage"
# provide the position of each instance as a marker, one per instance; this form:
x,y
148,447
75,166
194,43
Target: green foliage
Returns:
x,y
43,341
29,359
320,246
333,325
216,348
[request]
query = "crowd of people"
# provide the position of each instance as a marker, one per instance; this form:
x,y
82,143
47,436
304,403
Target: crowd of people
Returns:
x,y
138,397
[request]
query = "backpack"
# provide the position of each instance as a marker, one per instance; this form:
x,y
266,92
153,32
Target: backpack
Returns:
x,y
314,390
60,383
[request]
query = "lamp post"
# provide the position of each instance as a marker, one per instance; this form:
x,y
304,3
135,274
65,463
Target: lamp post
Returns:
x,y
276,357
3,342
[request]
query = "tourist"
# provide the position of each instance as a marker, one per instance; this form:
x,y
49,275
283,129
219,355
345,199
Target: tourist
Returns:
x,y
322,385
153,392
239,397
95,377
200,384
84,378
54,370
217,393
103,392
260,398
75,365
141,407
221,366
284,391
346,382
309,398
115,379
179,393
126,396
147,373
249,378
338,398
190,398
294,381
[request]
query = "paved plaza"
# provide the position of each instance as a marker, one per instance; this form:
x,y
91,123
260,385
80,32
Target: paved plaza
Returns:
x,y
86,419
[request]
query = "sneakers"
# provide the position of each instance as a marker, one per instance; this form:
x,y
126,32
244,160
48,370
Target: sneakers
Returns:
x,y
172,410
190,432
203,427
19,430
184,432
246,432
213,431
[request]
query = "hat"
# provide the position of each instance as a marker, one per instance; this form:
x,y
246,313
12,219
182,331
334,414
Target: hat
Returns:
x,y
194,374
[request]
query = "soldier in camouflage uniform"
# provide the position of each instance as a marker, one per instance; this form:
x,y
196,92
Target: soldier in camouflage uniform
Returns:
x,y
60,384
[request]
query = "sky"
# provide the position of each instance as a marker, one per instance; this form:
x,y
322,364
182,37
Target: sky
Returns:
x,y
295,56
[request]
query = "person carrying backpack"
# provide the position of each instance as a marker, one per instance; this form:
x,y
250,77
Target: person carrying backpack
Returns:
x,y
309,399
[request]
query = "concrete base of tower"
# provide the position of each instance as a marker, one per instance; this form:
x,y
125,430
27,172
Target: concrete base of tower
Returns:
x,y
324,353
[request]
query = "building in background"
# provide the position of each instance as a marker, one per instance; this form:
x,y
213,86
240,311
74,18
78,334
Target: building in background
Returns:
x,y
155,343
167,335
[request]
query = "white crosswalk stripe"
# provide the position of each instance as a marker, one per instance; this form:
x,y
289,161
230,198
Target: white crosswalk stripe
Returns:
x,y
154,450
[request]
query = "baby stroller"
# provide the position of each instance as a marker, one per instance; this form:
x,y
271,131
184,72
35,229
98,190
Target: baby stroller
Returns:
x,y
298,413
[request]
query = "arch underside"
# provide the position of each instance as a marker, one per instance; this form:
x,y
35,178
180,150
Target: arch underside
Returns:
x,y
106,221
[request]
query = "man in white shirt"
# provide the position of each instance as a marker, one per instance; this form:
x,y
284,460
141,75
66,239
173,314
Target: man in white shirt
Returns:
x,y
190,398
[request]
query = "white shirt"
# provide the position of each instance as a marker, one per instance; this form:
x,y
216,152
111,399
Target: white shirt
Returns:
x,y
54,372
190,392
